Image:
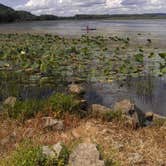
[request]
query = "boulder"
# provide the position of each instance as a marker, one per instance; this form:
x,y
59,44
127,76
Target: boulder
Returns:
x,y
149,116
52,151
53,124
83,104
135,117
85,155
126,106
10,101
76,89
100,111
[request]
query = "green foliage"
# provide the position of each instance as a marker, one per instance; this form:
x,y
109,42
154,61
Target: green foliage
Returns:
x,y
139,57
23,110
62,103
162,55
25,155
28,154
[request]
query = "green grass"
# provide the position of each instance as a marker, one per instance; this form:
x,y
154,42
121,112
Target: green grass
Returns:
x,y
62,103
28,154
59,103
23,110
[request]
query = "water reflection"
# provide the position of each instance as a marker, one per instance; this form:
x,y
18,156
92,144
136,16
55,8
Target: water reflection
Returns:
x,y
148,93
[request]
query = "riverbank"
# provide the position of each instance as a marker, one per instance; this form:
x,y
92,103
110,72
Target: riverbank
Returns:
x,y
45,80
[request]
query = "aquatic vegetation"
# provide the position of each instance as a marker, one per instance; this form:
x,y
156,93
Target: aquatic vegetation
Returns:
x,y
163,55
44,61
139,57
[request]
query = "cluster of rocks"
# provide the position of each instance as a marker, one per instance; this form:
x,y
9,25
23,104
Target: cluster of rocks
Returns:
x,y
133,115
85,154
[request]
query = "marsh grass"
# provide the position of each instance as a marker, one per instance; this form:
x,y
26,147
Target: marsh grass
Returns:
x,y
59,104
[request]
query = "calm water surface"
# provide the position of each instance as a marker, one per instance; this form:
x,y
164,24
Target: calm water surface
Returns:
x,y
155,28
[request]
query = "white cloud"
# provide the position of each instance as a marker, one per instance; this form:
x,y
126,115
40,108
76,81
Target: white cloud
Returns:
x,y
72,7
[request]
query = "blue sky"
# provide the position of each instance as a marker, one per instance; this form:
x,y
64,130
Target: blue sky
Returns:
x,y
72,7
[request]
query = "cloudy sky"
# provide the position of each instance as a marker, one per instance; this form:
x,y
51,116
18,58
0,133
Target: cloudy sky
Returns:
x,y
72,7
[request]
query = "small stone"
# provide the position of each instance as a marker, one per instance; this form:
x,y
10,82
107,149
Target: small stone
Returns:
x,y
135,158
126,106
83,104
51,123
85,155
52,151
47,151
10,101
76,89
57,148
149,116
75,134
99,110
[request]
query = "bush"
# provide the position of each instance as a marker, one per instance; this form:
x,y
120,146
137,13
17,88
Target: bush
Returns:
x,y
29,155
62,103
23,110
25,155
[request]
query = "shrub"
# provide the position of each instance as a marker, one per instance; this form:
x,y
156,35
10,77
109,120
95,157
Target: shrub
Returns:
x,y
29,155
62,103
23,110
25,155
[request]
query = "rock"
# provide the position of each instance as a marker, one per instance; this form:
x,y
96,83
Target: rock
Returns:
x,y
76,89
57,148
99,110
10,101
135,158
53,151
53,124
126,106
149,116
135,117
85,155
8,139
132,122
156,116
83,104
48,151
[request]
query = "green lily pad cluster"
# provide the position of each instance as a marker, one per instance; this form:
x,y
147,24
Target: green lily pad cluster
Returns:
x,y
47,58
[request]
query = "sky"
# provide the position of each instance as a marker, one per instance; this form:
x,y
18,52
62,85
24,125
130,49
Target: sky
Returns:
x,y
72,7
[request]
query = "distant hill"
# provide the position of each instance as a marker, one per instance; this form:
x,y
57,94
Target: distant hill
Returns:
x,y
8,14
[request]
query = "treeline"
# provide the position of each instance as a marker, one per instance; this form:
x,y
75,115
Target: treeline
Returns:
x,y
7,14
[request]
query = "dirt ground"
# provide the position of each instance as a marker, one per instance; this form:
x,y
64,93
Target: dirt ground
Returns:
x,y
142,147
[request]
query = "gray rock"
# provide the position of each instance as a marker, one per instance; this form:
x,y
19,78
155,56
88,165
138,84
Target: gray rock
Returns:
x,y
99,110
134,115
57,148
149,116
76,89
85,155
126,106
52,151
53,124
10,101
48,151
